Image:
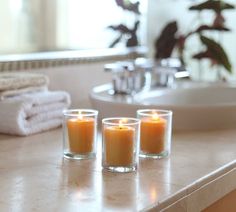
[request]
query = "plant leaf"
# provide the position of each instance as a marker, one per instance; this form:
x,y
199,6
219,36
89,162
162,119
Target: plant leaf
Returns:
x,y
201,55
166,42
217,6
219,20
128,5
121,28
117,40
215,52
136,25
132,41
207,27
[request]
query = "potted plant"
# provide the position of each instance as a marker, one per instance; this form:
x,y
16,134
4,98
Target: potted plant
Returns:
x,y
171,38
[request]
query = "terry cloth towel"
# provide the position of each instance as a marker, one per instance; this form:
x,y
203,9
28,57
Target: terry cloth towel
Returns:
x,y
33,113
16,80
15,92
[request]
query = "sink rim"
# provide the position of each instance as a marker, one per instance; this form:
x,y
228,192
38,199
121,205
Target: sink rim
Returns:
x,y
101,93
185,117
168,93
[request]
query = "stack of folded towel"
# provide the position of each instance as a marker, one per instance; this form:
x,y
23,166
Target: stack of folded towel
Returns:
x,y
26,105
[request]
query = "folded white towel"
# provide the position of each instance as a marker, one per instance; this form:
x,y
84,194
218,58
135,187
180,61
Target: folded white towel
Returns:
x,y
16,80
10,93
33,113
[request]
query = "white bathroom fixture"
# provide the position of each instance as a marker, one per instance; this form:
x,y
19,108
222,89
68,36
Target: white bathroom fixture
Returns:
x,y
195,105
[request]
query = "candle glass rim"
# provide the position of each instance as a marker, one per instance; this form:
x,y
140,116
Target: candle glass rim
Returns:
x,y
74,112
160,112
108,121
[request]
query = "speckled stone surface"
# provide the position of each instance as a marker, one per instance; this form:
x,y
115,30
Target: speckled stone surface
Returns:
x,y
35,177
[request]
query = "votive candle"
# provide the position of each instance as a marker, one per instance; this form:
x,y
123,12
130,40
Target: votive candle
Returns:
x,y
80,132
155,132
120,144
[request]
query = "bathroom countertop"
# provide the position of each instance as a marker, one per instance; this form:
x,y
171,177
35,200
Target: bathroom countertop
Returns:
x,y
35,177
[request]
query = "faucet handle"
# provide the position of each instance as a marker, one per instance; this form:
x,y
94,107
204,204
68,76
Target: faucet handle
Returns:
x,y
145,64
122,76
110,67
167,70
119,66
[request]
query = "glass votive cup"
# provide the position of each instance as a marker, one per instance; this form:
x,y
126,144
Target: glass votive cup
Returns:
x,y
120,144
155,133
79,133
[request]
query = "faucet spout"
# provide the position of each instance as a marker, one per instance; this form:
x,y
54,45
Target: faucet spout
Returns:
x,y
130,77
167,71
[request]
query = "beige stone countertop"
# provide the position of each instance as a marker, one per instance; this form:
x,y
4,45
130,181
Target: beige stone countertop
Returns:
x,y
35,177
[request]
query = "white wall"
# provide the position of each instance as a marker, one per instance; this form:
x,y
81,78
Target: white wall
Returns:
x,y
78,80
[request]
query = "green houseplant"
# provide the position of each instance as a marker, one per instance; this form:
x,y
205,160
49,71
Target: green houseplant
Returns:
x,y
171,38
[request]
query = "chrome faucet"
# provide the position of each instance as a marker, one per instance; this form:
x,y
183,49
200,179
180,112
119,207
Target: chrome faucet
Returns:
x,y
130,77
167,71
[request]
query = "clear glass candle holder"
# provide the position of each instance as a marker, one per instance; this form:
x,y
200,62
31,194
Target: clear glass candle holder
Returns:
x,y
155,133
79,133
120,144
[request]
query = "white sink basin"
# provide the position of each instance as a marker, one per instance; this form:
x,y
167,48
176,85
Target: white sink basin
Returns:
x,y
195,106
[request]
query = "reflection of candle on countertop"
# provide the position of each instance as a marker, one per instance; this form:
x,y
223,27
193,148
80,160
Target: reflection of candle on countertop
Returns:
x,y
152,138
119,145
81,134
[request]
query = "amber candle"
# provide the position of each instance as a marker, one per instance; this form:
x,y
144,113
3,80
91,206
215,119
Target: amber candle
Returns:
x,y
79,133
120,144
152,135
155,132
